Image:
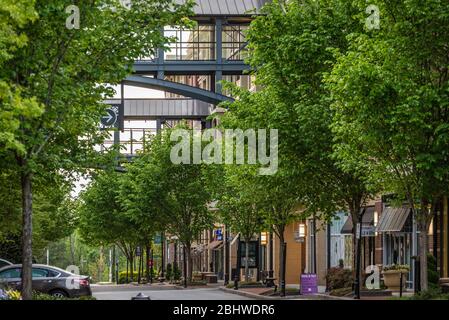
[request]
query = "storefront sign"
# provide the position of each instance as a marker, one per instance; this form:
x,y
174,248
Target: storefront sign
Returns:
x,y
309,284
368,231
357,231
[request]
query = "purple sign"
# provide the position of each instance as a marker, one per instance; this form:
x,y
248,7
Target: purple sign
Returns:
x,y
309,283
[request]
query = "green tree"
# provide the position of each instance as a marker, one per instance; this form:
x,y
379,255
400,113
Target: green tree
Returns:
x,y
102,217
390,97
177,192
60,73
239,209
291,50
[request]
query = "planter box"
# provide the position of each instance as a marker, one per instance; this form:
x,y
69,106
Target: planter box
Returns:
x,y
392,279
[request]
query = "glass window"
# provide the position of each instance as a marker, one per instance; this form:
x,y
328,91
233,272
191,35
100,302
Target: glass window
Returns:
x,y
10,273
191,44
39,273
234,42
252,254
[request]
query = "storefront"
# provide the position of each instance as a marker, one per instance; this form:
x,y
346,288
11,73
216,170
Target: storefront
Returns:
x,y
396,227
216,248
339,245
369,220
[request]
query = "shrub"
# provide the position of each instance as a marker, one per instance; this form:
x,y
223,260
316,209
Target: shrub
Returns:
x,y
396,267
338,278
43,296
122,277
176,273
169,272
432,274
9,294
431,294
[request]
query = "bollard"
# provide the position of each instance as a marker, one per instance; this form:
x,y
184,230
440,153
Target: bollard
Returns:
x,y
141,296
236,283
400,285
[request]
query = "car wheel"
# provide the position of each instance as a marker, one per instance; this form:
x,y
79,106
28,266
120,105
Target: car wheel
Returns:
x,y
58,294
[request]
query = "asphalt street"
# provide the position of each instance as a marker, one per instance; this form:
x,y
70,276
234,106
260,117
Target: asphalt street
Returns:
x,y
121,293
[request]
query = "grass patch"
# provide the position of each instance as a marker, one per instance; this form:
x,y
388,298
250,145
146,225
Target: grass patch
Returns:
x,y
431,294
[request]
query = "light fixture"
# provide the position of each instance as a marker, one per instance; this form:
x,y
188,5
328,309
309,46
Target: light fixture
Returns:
x,y
302,230
376,221
264,238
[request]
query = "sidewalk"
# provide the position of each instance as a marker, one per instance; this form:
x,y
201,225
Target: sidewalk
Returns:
x,y
258,293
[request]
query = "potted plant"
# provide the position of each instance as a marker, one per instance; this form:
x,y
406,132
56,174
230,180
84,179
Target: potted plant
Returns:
x,y
392,276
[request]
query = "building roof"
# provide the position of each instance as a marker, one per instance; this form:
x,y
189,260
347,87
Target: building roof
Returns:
x,y
226,7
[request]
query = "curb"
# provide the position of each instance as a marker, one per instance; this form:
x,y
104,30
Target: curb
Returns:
x,y
248,294
261,297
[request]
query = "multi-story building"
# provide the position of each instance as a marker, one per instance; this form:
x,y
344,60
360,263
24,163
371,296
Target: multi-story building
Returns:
x,y
184,83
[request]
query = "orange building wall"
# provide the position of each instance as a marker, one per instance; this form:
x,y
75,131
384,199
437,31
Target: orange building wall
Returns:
x,y
296,253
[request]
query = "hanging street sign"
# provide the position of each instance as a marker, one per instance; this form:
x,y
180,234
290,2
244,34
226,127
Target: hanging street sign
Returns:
x,y
113,117
110,119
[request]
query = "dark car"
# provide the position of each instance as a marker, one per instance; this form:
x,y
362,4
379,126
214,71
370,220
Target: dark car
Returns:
x,y
4,263
50,280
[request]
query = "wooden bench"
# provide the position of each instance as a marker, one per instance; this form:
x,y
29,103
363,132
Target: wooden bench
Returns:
x,y
211,278
197,277
269,282
444,284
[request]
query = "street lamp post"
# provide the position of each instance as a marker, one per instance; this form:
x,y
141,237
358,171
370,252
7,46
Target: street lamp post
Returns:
x,y
358,261
301,238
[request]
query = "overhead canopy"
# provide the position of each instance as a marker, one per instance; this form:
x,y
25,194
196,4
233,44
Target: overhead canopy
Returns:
x,y
215,245
367,220
226,7
393,219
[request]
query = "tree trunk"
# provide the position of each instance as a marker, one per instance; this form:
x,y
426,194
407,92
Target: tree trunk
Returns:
x,y
357,246
139,272
246,261
113,266
423,251
282,259
127,270
27,235
189,262
131,262
184,263
101,265
147,267
72,249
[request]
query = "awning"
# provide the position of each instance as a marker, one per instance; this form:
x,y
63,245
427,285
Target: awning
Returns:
x,y
367,220
393,219
214,245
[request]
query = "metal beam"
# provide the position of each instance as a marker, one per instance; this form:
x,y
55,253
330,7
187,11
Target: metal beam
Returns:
x,y
190,67
176,88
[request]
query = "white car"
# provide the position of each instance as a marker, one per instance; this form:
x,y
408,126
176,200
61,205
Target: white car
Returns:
x,y
4,263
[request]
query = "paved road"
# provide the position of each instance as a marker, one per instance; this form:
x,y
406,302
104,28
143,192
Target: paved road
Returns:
x,y
121,293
